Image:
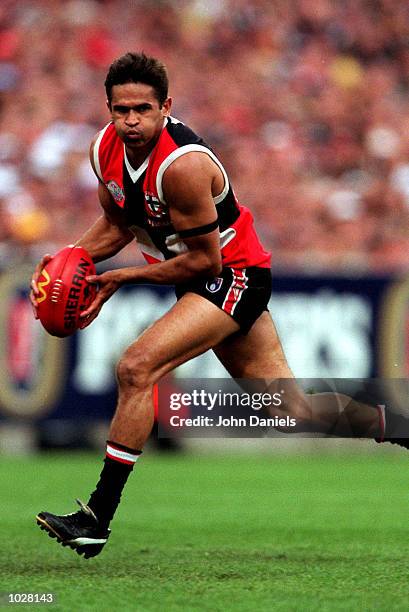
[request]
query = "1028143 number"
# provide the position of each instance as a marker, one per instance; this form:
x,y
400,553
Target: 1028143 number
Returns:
x,y
17,598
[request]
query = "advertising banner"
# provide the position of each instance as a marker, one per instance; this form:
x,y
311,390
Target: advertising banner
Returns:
x,y
330,327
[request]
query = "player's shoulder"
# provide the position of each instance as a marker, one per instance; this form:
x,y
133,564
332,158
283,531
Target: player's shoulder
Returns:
x,y
189,159
106,133
189,165
102,146
182,134
187,146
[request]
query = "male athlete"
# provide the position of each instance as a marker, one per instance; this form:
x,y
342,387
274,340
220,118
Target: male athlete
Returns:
x,y
162,184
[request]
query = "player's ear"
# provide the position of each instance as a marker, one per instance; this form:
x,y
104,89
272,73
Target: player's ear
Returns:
x,y
166,106
107,102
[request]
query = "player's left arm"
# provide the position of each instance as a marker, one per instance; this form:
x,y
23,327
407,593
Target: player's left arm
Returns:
x,y
187,188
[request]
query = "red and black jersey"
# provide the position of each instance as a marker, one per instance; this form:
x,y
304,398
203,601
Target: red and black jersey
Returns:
x,y
139,193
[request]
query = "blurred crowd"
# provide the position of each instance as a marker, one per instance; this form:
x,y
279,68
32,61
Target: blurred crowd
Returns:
x,y
306,102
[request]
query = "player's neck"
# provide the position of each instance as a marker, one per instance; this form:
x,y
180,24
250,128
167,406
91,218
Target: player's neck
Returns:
x,y
136,157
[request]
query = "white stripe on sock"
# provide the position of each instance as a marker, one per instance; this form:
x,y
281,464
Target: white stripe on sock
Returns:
x,y
119,454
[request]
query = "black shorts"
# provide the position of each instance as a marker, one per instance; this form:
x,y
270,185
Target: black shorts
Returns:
x,y
243,294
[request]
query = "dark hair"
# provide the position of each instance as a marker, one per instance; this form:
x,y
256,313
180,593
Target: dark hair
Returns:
x,y
138,68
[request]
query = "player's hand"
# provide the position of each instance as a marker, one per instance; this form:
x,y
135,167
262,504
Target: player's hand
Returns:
x,y
35,292
108,283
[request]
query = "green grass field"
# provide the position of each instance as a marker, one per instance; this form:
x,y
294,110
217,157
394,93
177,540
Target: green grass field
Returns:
x,y
312,532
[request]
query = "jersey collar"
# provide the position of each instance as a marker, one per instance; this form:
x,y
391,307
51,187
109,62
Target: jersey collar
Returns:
x,y
136,173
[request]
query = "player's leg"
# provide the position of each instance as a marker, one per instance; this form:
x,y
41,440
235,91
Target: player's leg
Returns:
x,y
190,328
259,354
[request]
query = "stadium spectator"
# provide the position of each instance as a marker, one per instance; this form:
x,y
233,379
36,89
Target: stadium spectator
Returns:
x,y
306,101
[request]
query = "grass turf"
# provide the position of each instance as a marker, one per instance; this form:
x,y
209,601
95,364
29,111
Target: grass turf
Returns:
x,y
314,532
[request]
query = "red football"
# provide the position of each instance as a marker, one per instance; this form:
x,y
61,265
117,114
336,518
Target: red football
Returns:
x,y
64,292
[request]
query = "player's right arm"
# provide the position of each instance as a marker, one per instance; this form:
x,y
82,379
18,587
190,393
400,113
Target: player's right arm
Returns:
x,y
109,234
104,239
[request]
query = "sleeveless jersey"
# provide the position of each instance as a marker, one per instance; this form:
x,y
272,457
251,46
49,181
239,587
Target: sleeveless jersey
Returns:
x,y
139,193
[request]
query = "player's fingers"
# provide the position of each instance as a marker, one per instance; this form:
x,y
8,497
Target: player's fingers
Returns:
x,y
95,306
93,280
33,299
87,313
34,304
39,268
34,286
85,322
88,319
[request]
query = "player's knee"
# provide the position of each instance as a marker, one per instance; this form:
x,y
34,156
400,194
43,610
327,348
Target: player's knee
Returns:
x,y
135,370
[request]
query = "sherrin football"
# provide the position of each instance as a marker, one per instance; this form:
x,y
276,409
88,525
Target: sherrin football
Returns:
x,y
64,292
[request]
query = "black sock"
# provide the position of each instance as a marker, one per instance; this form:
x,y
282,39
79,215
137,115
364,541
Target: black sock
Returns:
x,y
118,464
378,393
396,425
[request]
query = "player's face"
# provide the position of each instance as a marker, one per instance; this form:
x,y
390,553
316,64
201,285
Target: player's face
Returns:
x,y
137,115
